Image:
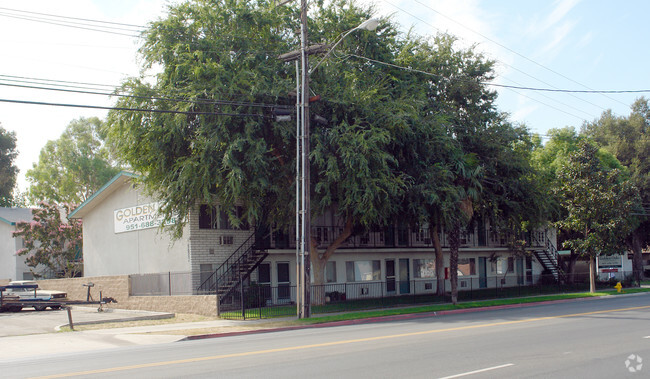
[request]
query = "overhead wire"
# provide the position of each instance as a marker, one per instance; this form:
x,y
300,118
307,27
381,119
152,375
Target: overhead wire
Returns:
x,y
83,88
511,50
69,25
114,94
533,77
130,109
496,84
72,18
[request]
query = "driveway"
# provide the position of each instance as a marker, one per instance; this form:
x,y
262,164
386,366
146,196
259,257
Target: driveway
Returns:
x,y
29,321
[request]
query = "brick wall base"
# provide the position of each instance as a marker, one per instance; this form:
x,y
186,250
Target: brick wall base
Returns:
x,y
118,287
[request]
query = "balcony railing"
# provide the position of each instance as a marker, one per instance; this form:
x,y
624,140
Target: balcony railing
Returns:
x,y
395,236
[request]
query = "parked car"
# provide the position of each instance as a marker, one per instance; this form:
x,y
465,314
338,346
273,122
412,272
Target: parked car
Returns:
x,y
28,290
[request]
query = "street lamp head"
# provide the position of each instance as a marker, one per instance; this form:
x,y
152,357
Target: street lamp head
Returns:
x,y
370,24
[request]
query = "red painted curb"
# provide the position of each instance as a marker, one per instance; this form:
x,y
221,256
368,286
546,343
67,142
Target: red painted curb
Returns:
x,y
368,320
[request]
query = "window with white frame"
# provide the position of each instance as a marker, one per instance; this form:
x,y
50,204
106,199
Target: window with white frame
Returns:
x,y
466,266
502,265
424,268
362,271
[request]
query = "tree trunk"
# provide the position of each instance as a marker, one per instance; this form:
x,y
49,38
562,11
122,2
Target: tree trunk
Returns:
x,y
637,260
440,263
572,268
319,261
318,276
454,244
592,273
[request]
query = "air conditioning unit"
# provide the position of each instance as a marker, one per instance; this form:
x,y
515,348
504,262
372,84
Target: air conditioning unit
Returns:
x,y
226,240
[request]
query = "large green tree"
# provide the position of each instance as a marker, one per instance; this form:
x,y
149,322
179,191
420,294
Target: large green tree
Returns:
x,y
598,202
73,167
393,137
628,139
220,58
8,169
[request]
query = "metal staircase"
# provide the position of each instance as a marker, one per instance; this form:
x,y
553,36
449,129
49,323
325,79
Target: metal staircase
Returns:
x,y
548,257
237,268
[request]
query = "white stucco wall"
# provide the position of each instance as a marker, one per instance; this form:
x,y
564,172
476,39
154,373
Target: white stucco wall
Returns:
x,y
135,252
342,256
7,252
11,266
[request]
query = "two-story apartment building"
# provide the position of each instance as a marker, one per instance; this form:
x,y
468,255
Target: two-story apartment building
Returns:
x,y
122,236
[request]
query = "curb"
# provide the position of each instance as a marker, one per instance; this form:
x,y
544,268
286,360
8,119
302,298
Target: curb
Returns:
x,y
152,316
409,316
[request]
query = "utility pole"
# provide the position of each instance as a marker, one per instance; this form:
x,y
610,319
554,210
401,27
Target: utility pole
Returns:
x,y
306,224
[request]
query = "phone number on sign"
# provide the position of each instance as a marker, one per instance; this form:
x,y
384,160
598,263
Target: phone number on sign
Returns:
x,y
147,224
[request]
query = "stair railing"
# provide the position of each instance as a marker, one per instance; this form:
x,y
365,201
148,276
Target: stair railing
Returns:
x,y
230,266
551,254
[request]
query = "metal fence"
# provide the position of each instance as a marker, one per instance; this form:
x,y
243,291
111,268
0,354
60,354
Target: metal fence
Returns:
x,y
161,284
263,301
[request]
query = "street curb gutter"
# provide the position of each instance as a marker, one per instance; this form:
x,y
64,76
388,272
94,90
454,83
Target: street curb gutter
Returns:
x,y
369,320
151,316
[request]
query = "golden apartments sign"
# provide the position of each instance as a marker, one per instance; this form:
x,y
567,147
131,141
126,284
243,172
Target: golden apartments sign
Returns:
x,y
139,217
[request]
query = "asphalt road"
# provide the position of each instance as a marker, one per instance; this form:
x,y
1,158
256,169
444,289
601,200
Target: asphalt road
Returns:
x,y
591,338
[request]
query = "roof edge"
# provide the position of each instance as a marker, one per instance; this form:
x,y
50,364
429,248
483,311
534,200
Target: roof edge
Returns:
x,y
12,223
104,187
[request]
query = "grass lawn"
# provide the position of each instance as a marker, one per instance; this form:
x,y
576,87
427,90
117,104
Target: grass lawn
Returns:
x,y
353,311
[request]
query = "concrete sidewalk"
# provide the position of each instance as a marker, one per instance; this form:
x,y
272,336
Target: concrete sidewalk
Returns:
x,y
44,341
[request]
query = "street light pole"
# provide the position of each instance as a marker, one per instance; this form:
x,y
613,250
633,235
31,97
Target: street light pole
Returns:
x,y
303,205
306,219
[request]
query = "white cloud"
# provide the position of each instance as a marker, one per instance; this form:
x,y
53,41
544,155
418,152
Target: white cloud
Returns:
x,y
559,36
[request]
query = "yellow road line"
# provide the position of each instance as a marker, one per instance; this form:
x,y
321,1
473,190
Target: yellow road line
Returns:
x,y
335,343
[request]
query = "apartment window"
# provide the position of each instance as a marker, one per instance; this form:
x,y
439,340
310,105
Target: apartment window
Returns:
x,y
466,266
205,273
213,217
503,265
264,273
330,272
362,271
424,268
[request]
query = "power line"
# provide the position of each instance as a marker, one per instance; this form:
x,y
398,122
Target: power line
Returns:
x,y
72,18
130,109
70,25
116,91
511,50
197,101
514,68
57,81
499,85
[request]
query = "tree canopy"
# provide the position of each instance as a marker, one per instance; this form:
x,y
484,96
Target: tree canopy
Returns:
x,y
628,139
73,167
598,202
52,242
411,128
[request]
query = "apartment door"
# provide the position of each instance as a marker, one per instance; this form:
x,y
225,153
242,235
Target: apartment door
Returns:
x,y
482,272
390,276
404,276
520,271
284,282
264,280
